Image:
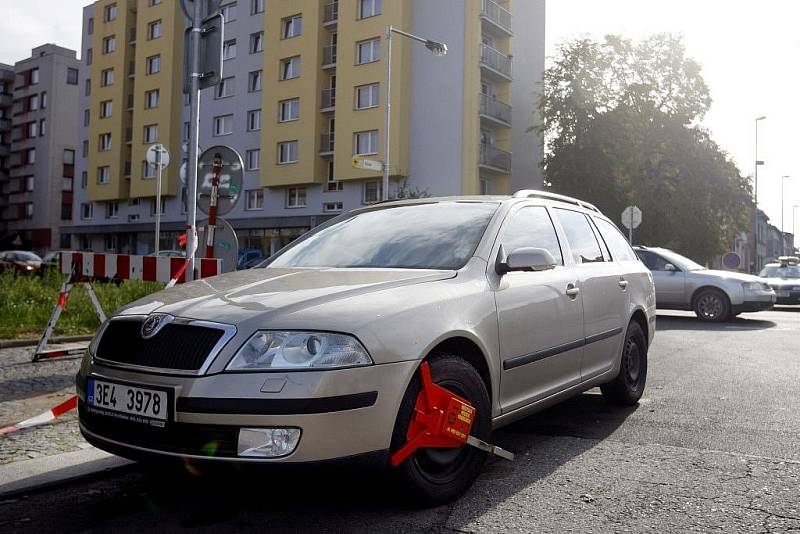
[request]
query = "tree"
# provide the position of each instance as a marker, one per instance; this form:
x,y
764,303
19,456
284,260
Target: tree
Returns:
x,y
621,127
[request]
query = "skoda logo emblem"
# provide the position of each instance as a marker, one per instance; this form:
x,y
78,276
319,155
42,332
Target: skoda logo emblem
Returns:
x,y
154,323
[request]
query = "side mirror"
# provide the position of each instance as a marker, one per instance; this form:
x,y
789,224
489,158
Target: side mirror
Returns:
x,y
670,268
524,259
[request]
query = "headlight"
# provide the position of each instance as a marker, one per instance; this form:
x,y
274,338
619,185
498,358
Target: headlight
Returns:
x,y
281,350
755,286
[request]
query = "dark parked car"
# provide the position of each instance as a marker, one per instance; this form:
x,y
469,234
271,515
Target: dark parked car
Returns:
x,y
20,261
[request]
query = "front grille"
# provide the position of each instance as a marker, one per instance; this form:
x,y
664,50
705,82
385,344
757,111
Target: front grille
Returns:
x,y
176,346
181,438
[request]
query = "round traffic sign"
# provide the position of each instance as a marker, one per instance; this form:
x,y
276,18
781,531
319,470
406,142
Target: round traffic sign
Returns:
x,y
631,217
157,154
230,179
731,260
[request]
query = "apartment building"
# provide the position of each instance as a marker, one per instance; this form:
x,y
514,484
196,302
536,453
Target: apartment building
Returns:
x,y
303,92
6,102
36,181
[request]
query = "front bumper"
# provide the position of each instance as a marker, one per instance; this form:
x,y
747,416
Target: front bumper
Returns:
x,y
754,305
787,296
341,413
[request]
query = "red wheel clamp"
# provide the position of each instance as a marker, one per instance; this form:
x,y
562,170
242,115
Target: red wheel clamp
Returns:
x,y
441,420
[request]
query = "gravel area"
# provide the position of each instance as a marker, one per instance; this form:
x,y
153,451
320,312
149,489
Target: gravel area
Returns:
x,y
28,389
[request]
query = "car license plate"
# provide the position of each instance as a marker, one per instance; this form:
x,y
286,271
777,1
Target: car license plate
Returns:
x,y
784,293
128,402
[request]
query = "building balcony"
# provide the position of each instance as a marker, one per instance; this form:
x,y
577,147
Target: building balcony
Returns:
x,y
494,159
326,144
330,16
495,111
5,150
496,64
328,100
6,100
328,57
5,125
495,18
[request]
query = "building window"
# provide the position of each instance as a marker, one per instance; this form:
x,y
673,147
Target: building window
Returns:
x,y
225,88
154,30
86,211
228,12
104,143
151,99
109,44
84,179
365,143
332,207
151,133
154,64
255,199
287,152
290,68
148,169
296,197
103,174
110,13
86,117
223,125
88,56
291,26
30,156
87,90
153,206
368,51
29,210
112,210
69,157
29,183
256,7
332,184
31,130
110,241
66,215
253,159
289,110
72,76
256,42
367,96
254,120
43,97
106,108
90,26
154,2
372,192
254,81
85,148
106,77
42,127
229,49
33,102
368,8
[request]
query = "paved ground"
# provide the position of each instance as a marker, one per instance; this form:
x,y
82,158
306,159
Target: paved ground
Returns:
x,y
713,446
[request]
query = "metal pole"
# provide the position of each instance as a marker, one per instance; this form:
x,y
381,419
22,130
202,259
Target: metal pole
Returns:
x,y
388,111
158,199
783,228
755,208
630,230
194,141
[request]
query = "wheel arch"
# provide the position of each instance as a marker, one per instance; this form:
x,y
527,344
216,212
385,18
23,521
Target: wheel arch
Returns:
x,y
700,289
640,318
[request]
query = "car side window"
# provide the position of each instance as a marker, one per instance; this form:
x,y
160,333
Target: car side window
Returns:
x,y
652,261
582,241
532,227
620,249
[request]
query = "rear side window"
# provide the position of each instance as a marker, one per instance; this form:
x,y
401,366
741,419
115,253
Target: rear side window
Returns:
x,y
532,227
652,261
584,245
620,249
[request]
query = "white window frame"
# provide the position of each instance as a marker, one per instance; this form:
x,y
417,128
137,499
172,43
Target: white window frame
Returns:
x,y
103,174
148,170
289,110
87,211
372,91
229,49
254,120
154,30
252,159
256,7
104,142
255,80
109,44
292,26
153,206
256,42
378,191
290,68
373,46
229,12
285,150
110,13
369,8
220,122
226,88
372,143
258,196
107,77
152,61
112,210
294,198
149,131
152,98
106,109
336,206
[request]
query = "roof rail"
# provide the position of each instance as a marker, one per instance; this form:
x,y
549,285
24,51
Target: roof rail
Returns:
x,y
533,193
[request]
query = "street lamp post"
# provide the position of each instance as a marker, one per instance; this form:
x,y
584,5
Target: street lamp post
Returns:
x,y
438,49
755,201
783,228
794,239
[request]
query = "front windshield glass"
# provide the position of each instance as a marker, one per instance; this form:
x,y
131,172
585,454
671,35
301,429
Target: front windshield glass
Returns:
x,y
682,262
436,235
776,271
27,256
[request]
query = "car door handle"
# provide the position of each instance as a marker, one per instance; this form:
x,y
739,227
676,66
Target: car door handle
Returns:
x,y
623,284
572,290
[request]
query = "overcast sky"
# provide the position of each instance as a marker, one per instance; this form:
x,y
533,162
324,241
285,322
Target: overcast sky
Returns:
x,y
750,52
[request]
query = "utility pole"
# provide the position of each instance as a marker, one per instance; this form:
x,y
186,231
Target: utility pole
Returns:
x,y
755,202
194,140
783,228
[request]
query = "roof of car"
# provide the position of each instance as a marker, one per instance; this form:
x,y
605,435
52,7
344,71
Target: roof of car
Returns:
x,y
518,196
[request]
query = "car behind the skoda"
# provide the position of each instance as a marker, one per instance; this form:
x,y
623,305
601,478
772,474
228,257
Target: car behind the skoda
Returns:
x,y
510,304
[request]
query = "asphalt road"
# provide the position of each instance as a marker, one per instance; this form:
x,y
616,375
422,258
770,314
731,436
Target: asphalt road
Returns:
x,y
713,446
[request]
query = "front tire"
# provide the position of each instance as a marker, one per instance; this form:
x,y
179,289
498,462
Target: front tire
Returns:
x,y
712,305
628,386
436,476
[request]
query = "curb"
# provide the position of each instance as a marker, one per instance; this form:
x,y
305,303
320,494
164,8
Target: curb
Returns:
x,y
14,343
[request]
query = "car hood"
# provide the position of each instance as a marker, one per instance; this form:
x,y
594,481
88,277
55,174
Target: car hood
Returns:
x,y
239,296
783,282
729,275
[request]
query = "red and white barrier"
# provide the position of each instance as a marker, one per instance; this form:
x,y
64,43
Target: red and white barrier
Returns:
x,y
132,267
42,418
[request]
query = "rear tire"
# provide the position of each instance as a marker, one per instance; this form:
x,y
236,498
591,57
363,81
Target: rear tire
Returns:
x,y
628,386
712,305
436,476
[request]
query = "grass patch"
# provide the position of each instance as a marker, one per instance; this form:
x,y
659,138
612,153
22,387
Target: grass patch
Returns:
x,y
26,303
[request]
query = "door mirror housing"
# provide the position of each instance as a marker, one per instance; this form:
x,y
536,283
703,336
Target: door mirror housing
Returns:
x,y
524,259
670,268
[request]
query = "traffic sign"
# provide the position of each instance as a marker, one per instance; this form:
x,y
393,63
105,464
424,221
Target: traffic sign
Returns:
x,y
157,155
631,217
230,179
212,35
209,7
367,164
731,260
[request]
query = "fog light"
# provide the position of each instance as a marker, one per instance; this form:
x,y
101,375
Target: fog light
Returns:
x,y
267,442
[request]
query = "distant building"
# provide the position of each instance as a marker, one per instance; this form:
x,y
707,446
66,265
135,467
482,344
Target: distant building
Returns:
x,y
770,247
39,162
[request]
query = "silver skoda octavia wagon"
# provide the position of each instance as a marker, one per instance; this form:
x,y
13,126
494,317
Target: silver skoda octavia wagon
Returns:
x,y
510,304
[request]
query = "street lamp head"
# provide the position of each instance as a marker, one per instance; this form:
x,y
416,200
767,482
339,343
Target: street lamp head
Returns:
x,y
438,49
761,118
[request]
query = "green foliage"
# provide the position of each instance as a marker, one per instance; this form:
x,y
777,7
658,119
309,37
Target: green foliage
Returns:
x,y
27,302
620,126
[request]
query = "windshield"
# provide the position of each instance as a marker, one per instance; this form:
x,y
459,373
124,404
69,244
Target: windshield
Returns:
x,y
682,262
26,256
776,271
440,235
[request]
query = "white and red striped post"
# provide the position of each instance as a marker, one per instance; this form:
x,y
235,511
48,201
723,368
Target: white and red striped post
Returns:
x,y
212,205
